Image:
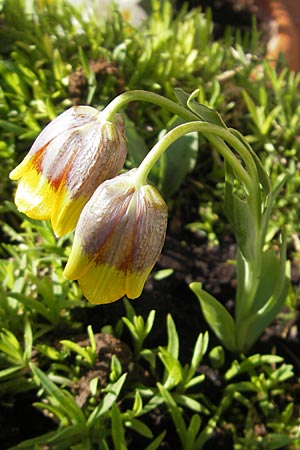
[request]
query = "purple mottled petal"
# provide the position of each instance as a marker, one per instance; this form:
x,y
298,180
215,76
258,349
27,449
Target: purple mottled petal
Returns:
x,y
151,224
68,120
101,215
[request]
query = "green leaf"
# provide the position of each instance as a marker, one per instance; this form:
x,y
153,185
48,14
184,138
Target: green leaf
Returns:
x,y
92,338
201,111
276,441
139,427
10,345
11,372
63,438
252,108
194,381
130,312
162,274
177,161
117,429
270,274
50,352
115,368
63,398
114,390
173,367
248,364
28,339
138,404
216,316
150,356
153,403
258,322
270,296
157,441
175,412
131,327
262,174
199,350
281,180
240,218
173,340
217,357
192,431
54,410
77,349
189,403
137,148
32,304
71,435
150,322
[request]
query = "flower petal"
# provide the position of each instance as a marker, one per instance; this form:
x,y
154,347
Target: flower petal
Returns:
x,y
118,239
34,196
70,119
103,284
65,211
69,159
78,263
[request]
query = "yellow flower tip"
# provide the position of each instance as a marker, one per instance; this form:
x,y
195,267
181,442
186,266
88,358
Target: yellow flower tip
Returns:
x,y
106,284
34,196
66,211
135,283
102,283
17,172
118,239
78,262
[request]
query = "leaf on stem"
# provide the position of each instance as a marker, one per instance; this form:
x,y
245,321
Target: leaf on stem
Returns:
x,y
177,161
203,112
219,319
240,217
270,295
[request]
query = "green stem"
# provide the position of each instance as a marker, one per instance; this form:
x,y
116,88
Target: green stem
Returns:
x,y
215,135
248,278
123,99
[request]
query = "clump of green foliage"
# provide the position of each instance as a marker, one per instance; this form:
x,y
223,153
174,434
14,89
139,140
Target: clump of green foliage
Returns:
x,y
48,347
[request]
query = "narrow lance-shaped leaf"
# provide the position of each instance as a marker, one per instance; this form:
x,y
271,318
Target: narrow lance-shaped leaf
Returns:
x,y
173,340
177,161
219,319
173,372
108,400
199,350
175,413
117,429
240,217
269,302
66,401
201,111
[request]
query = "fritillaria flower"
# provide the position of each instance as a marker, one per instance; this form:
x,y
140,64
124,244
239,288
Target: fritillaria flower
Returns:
x,y
118,239
69,159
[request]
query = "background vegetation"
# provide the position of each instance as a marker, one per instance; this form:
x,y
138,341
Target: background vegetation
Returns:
x,y
76,376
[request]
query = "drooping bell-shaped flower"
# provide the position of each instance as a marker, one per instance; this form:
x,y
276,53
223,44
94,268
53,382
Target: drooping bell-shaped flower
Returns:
x,y
69,159
118,239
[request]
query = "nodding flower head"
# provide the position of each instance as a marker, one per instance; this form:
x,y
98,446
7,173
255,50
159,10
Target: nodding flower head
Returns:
x,y
69,159
118,239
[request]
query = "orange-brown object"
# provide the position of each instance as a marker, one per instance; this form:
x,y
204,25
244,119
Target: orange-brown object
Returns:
x,y
283,18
